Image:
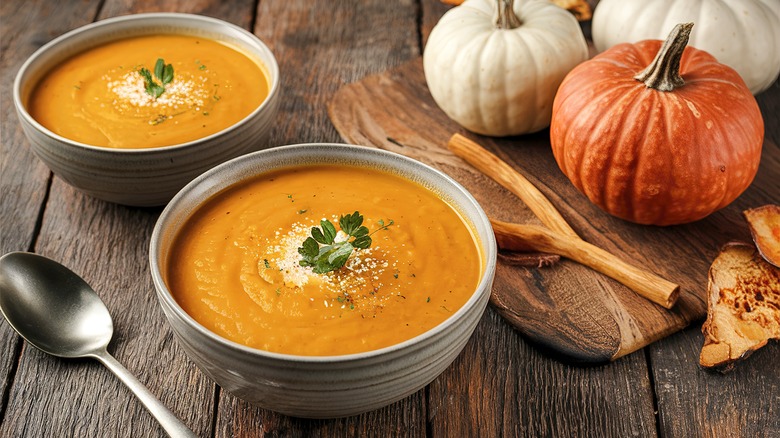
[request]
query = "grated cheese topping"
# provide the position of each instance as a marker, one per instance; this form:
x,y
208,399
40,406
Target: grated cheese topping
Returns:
x,y
357,285
185,93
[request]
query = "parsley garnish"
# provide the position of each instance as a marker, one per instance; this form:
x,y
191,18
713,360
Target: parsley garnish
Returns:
x,y
163,72
324,254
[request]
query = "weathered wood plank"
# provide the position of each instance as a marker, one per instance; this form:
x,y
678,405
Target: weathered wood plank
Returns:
x,y
24,179
108,245
238,12
696,402
320,47
431,13
769,102
503,386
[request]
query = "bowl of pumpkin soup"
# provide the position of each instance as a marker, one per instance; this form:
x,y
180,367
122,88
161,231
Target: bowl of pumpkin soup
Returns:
x,y
130,109
323,280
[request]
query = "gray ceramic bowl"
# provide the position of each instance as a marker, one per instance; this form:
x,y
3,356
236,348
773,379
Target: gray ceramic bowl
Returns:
x,y
143,177
332,386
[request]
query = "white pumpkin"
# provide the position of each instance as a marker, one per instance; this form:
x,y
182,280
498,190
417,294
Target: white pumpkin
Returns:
x,y
743,34
500,79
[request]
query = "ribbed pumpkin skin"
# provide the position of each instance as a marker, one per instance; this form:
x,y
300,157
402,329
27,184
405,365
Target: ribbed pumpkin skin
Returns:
x,y
654,157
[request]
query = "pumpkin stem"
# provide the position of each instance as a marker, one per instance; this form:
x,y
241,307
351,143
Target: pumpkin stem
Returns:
x,y
505,17
663,74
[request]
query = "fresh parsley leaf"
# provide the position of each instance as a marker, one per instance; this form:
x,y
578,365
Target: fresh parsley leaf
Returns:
x,y
167,74
159,67
333,255
146,75
318,236
329,231
337,256
150,86
362,242
310,250
163,72
349,223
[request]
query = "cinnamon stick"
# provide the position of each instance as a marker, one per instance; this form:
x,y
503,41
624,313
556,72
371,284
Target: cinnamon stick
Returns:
x,y
513,181
558,237
518,237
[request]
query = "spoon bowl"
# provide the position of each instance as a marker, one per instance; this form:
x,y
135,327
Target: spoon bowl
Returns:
x,y
51,307
56,311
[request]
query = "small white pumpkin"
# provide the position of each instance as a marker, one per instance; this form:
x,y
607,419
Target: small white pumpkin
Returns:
x,y
743,34
494,66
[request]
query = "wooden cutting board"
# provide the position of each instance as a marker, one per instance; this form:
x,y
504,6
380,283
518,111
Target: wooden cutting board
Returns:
x,y
567,309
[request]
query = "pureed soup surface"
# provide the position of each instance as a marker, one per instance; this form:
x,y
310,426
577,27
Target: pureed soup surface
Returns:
x,y
234,267
99,97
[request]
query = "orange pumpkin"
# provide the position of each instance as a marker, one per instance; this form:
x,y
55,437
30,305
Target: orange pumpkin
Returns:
x,y
657,134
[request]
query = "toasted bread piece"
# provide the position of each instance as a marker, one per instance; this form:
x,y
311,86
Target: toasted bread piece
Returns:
x,y
743,309
765,227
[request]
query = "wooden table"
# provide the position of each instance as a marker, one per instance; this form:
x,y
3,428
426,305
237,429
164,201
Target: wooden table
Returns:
x,y
500,385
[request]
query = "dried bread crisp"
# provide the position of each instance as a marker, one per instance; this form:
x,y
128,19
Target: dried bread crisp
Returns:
x,y
764,225
743,310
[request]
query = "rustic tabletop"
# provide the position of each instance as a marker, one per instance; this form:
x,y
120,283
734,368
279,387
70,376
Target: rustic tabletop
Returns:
x,y
500,385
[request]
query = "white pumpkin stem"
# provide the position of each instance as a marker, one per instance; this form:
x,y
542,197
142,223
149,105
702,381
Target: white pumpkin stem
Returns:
x,y
663,74
505,17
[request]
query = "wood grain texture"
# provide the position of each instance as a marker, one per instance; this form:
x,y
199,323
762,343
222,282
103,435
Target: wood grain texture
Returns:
x,y
320,46
108,246
24,179
22,187
567,308
502,386
697,402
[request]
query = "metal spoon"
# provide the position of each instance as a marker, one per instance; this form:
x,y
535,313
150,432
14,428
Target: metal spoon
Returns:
x,y
56,311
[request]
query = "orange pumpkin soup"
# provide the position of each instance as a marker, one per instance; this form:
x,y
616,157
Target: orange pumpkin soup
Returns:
x,y
235,265
103,97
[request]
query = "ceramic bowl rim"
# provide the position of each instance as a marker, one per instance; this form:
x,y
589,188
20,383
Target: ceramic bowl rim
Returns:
x,y
167,215
272,68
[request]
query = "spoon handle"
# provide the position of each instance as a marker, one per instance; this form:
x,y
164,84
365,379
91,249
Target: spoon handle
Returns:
x,y
172,425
